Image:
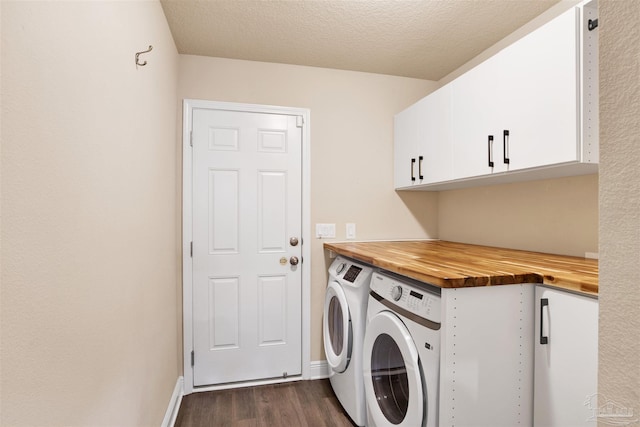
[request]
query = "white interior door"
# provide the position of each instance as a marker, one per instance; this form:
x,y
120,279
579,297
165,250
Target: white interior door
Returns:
x,y
246,209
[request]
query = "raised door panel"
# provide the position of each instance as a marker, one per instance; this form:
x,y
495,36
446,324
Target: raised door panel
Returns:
x,y
223,204
566,366
540,108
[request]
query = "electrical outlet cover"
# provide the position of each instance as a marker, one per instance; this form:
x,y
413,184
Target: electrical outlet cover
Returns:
x,y
325,231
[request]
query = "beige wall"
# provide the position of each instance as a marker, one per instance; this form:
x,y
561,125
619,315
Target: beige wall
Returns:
x,y
619,360
88,298
351,147
558,215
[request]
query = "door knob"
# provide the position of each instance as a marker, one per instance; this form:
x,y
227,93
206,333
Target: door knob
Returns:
x,y
293,241
293,260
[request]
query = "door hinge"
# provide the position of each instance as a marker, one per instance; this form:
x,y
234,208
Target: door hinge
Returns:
x,y
191,138
299,121
191,249
193,358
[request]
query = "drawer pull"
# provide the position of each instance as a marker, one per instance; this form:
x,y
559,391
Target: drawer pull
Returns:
x,y
413,162
544,302
490,149
505,146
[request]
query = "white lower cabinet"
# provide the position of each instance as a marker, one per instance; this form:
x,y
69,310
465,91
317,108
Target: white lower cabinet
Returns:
x,y
518,355
566,359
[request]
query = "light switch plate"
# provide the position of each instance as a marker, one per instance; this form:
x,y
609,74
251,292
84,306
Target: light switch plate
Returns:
x,y
351,230
325,231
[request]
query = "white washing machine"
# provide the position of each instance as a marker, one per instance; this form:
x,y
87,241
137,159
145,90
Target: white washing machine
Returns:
x,y
402,353
345,311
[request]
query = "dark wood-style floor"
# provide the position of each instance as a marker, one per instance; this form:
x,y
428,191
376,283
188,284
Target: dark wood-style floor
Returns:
x,y
295,404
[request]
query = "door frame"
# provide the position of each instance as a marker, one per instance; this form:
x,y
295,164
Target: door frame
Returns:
x,y
187,236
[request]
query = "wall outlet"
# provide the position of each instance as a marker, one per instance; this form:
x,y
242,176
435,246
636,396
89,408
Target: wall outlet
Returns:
x,y
325,231
351,230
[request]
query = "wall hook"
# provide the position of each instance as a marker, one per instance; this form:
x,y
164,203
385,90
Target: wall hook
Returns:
x,y
142,64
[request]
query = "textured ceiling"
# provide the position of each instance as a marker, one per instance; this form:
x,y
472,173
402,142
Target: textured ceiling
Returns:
x,y
425,39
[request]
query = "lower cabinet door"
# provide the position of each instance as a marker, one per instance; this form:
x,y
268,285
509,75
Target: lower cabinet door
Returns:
x,y
566,359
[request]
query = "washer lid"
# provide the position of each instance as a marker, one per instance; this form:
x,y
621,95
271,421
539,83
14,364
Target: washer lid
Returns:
x,y
336,326
392,375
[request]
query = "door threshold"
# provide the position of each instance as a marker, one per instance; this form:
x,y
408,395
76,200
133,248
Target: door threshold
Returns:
x,y
243,384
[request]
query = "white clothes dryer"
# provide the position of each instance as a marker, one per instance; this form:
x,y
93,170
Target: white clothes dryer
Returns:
x,y
402,353
345,311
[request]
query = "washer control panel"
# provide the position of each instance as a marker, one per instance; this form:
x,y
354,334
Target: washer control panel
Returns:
x,y
350,273
414,298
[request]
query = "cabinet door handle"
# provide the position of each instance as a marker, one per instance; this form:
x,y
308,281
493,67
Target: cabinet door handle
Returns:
x,y
413,162
420,167
544,302
490,148
505,146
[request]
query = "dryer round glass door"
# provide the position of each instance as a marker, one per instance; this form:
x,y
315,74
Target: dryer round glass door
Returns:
x,y
336,325
392,374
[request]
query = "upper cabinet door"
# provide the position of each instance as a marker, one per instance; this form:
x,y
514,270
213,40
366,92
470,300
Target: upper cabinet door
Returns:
x,y
434,137
541,106
529,90
476,116
405,147
422,141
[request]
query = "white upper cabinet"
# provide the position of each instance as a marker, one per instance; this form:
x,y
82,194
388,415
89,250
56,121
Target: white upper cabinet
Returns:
x,y
528,112
422,134
525,100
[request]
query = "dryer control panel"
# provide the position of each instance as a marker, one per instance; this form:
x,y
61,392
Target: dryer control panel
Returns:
x,y
350,273
410,297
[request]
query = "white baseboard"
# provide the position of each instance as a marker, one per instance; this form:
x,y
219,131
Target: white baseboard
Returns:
x,y
174,404
319,370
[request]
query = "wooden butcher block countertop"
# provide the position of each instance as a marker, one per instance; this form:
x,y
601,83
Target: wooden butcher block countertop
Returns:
x,y
456,265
